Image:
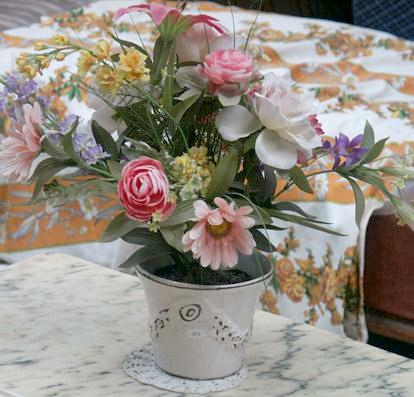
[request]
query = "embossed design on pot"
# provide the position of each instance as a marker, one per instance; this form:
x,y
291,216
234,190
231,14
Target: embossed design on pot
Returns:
x,y
190,312
159,323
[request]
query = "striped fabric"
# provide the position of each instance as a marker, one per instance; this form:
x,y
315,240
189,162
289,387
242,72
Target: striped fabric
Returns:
x,y
15,13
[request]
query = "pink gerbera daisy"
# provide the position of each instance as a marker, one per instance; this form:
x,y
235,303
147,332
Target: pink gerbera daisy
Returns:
x,y
220,234
22,145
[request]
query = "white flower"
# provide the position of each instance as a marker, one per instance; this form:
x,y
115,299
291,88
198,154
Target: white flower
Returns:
x,y
284,115
104,115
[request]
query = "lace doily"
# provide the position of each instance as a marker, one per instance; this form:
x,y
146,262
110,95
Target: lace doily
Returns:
x,y
140,365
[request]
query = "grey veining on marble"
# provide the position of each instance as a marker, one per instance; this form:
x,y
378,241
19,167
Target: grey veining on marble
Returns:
x,y
66,326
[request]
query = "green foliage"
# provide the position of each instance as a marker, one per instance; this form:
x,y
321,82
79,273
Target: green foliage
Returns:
x,y
359,201
45,170
300,179
148,253
182,214
369,136
224,174
374,152
104,138
173,236
118,227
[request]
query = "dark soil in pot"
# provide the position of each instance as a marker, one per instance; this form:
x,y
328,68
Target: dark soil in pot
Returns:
x,y
203,276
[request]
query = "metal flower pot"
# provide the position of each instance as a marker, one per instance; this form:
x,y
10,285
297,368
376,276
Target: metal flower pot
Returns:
x,y
200,331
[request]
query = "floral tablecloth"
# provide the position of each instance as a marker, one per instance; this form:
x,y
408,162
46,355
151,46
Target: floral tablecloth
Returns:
x,y
354,74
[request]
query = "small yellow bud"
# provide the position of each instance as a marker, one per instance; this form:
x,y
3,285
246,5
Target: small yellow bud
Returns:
x,y
60,57
40,45
60,39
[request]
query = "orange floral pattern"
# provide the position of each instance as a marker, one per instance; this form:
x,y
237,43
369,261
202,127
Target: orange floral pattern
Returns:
x,y
318,283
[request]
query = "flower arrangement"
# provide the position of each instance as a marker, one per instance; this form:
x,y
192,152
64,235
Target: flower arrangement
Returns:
x,y
192,141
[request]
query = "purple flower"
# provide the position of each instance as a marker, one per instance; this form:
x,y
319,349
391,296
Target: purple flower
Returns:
x,y
66,124
86,147
44,101
23,88
2,103
347,149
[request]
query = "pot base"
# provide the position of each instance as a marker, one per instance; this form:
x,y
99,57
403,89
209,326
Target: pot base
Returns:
x,y
140,365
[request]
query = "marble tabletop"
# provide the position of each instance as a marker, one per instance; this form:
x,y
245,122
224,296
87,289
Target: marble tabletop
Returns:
x,y
66,325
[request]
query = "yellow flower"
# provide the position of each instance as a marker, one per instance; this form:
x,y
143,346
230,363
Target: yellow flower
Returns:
x,y
45,62
108,79
40,45
85,61
25,65
198,153
132,65
101,50
60,39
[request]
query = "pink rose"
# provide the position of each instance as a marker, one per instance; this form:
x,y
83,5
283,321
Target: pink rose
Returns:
x,y
143,189
228,71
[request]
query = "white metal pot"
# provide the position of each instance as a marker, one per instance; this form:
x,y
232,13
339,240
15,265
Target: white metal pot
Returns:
x,y
200,331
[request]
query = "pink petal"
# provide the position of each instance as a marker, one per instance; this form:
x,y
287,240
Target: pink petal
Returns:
x,y
201,209
215,218
137,8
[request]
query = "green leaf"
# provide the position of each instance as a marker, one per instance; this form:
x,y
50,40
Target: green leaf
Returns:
x,y
147,253
300,180
250,142
270,182
369,136
369,176
161,52
142,236
115,168
67,144
52,150
292,207
173,235
118,227
262,243
374,152
126,43
359,201
180,108
224,174
104,138
43,172
259,214
302,221
182,214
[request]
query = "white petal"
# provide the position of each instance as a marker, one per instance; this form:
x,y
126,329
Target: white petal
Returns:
x,y
275,151
229,100
235,122
189,93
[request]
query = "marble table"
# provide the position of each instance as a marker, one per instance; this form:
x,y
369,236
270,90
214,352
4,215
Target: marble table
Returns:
x,y
66,325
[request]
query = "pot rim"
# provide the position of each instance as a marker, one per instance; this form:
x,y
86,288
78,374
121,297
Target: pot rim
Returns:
x,y
178,284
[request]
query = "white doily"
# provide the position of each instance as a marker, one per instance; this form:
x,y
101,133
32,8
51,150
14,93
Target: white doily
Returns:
x,y
140,365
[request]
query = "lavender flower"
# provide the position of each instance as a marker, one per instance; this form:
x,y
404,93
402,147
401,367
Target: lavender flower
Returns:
x,y
2,103
86,147
344,148
23,88
55,135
